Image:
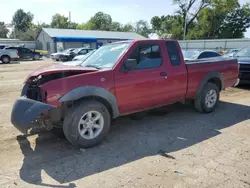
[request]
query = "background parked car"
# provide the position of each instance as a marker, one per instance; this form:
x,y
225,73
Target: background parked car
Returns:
x,y
2,46
25,53
243,57
231,52
83,57
56,56
7,55
196,54
76,52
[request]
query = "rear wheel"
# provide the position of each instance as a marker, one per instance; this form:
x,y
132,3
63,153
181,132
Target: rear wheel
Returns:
x,y
36,57
87,124
208,99
5,59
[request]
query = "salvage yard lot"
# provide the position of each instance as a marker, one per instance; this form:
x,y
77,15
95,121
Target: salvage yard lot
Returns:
x,y
180,148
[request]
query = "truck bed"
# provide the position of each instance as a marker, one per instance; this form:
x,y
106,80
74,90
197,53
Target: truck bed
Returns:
x,y
197,69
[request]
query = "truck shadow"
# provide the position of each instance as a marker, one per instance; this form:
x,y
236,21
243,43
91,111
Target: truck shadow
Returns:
x,y
128,141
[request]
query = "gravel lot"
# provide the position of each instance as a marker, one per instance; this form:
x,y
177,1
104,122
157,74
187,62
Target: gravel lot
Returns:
x,y
180,148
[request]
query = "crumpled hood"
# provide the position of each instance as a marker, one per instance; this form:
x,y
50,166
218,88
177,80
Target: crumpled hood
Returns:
x,y
243,60
56,68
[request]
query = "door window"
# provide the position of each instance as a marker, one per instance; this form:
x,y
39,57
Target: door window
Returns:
x,y
147,56
25,50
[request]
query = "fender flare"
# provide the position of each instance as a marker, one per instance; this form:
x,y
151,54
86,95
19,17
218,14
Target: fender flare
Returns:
x,y
205,80
89,91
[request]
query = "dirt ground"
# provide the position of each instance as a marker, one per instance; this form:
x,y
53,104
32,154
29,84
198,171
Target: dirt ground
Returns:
x,y
181,148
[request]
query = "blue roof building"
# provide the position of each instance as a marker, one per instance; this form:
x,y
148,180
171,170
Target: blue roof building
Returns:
x,y
53,40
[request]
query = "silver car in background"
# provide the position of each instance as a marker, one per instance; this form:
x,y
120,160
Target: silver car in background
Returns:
x,y
56,56
83,57
190,55
6,55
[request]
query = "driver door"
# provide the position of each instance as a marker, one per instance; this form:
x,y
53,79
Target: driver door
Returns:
x,y
142,88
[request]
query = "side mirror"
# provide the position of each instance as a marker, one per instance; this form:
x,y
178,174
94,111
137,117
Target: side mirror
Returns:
x,y
130,64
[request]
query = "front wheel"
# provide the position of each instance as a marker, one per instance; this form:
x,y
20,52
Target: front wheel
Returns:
x,y
36,57
87,124
5,59
208,99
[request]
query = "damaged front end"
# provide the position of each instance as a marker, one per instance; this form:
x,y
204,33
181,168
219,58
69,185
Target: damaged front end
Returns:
x,y
32,110
30,107
25,113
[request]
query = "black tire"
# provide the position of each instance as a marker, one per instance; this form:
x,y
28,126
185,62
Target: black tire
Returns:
x,y
70,124
200,101
5,59
36,57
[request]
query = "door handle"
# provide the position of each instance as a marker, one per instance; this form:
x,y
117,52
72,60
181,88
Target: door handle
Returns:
x,y
163,74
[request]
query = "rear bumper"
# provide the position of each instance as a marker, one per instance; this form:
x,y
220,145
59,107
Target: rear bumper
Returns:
x,y
237,82
25,111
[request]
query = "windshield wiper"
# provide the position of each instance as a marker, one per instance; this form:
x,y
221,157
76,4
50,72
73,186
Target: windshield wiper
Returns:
x,y
94,66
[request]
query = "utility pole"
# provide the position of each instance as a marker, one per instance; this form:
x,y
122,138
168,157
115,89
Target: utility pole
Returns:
x,y
185,27
69,16
185,23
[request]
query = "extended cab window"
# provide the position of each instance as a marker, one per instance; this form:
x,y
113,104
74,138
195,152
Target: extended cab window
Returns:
x,y
173,53
148,56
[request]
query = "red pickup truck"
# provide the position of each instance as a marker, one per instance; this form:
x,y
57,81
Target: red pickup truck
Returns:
x,y
118,79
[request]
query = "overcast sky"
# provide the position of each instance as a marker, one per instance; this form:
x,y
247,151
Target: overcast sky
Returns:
x,y
123,11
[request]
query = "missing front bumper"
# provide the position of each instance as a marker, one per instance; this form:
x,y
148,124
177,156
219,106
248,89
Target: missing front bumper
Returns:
x,y
25,111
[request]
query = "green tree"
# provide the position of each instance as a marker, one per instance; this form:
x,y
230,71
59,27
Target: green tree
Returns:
x,y
205,19
3,30
225,19
59,21
235,23
73,25
189,10
128,28
86,26
116,26
169,26
142,27
22,21
101,21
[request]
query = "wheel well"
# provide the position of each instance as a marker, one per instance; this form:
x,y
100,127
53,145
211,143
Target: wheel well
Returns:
x,y
216,81
5,56
99,99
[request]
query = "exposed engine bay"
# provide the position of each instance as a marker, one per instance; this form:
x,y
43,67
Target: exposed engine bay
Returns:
x,y
34,91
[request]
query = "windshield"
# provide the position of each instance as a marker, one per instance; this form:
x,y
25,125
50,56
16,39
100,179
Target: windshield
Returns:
x,y
244,52
77,50
66,51
190,54
106,56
